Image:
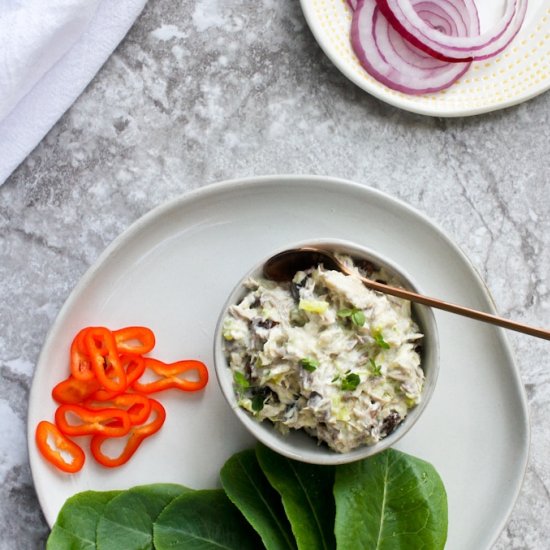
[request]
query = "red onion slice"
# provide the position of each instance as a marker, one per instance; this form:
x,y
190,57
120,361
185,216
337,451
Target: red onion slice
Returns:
x,y
448,20
386,56
463,12
403,16
455,15
352,4
405,50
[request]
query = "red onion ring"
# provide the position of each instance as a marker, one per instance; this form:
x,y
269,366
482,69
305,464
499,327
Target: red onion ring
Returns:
x,y
388,57
438,17
403,16
413,55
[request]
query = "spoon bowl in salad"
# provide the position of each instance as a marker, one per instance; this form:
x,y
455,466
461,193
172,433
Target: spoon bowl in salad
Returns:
x,y
321,369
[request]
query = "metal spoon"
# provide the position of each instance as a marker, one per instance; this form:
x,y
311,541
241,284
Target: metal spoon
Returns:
x,y
283,266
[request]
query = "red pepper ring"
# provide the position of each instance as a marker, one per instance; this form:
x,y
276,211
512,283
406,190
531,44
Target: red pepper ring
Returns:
x,y
138,340
133,365
137,406
109,422
170,376
80,362
47,434
106,364
136,436
72,390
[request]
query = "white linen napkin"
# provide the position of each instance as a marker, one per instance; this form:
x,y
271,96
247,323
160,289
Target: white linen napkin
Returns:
x,y
49,51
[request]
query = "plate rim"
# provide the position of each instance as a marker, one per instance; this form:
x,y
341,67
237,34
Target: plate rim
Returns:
x,y
236,184
403,102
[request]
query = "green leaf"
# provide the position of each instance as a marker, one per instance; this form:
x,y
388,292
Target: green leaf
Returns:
x,y
356,315
379,339
306,490
309,364
127,520
247,487
375,369
390,501
343,313
75,527
350,382
358,318
203,520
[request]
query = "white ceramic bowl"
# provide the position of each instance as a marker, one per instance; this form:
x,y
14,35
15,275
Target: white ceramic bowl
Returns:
x,y
297,444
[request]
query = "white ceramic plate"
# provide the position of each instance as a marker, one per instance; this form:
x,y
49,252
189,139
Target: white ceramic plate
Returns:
x,y
519,73
173,270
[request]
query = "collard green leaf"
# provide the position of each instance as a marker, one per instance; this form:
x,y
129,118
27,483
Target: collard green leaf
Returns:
x,y
203,520
247,487
306,490
390,501
75,528
127,520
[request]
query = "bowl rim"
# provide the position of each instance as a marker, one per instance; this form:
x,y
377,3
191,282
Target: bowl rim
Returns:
x,y
265,432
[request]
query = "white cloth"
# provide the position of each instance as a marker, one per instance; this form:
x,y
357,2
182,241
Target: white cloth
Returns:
x,y
49,52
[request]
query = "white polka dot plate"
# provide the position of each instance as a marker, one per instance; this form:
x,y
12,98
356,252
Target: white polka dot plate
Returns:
x,y
520,72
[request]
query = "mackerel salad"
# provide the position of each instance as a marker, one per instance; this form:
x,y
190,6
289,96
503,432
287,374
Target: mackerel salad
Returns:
x,y
325,354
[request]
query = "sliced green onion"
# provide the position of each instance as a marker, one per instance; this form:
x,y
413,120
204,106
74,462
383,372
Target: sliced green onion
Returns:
x,y
241,380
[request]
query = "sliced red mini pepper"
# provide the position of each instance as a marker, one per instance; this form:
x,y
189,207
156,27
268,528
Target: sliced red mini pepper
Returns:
x,y
139,340
133,365
95,399
109,422
106,364
47,434
75,391
134,439
80,362
170,376
137,406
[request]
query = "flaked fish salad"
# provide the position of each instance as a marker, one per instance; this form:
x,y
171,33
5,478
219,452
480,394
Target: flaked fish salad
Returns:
x,y
325,354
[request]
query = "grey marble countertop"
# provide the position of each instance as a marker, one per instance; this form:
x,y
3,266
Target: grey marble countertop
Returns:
x,y
205,90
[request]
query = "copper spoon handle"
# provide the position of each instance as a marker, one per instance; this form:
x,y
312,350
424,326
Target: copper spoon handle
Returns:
x,y
453,308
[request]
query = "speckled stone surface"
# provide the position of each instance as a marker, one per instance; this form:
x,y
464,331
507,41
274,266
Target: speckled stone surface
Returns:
x,y
204,90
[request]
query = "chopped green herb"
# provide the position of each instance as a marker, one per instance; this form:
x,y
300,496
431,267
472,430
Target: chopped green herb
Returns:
x,y
309,364
356,315
336,378
375,369
257,403
343,313
241,380
350,382
379,339
358,318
